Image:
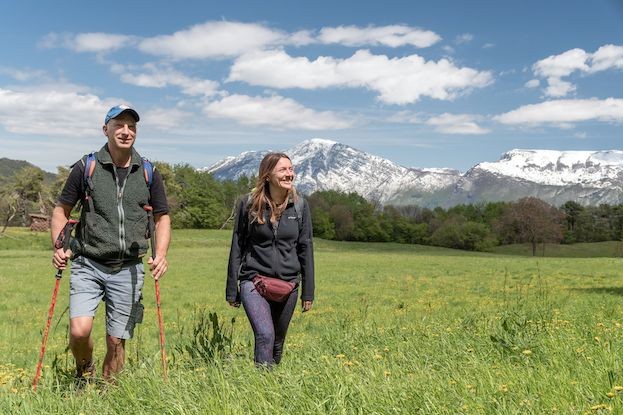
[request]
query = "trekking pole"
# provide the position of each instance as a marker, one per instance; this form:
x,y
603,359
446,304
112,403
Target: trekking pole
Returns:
x,y
62,241
152,235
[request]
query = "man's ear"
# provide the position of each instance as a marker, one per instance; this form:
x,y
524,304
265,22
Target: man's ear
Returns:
x,y
105,130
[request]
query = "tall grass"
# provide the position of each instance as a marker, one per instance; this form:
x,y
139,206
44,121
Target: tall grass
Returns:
x,y
394,329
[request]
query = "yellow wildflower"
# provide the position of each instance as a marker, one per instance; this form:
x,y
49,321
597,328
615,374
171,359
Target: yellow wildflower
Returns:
x,y
599,407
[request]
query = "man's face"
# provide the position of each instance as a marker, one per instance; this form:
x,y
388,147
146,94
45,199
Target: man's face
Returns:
x,y
121,131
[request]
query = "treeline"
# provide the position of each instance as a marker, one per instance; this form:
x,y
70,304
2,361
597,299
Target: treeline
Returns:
x,y
478,227
197,200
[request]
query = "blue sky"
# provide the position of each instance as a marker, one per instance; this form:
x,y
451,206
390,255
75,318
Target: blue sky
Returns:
x,y
422,83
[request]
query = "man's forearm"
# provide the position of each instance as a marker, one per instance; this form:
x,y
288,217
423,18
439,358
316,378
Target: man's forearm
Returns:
x,y
163,234
60,216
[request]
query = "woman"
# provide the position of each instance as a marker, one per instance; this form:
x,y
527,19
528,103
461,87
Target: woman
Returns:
x,y
272,238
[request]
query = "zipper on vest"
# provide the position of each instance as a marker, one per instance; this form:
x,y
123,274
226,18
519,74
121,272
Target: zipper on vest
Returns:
x,y
122,244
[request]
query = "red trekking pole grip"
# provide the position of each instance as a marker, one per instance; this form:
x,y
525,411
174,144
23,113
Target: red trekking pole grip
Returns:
x,y
63,239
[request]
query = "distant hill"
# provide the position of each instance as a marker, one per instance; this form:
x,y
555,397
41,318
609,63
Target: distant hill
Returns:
x,y
9,167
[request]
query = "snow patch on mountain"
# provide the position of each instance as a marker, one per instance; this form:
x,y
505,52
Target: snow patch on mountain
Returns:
x,y
322,164
589,177
559,168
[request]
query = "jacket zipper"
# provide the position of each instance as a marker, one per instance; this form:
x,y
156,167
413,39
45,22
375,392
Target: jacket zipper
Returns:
x,y
275,256
120,211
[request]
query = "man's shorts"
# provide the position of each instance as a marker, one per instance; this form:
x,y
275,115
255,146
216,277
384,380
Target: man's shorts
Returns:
x,y
120,289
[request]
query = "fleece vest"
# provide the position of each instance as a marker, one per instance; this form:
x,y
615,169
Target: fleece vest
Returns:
x,y
114,227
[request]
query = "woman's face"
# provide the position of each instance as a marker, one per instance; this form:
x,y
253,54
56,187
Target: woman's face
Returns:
x,y
282,176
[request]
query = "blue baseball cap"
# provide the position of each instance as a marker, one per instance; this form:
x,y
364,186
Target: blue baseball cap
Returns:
x,y
117,110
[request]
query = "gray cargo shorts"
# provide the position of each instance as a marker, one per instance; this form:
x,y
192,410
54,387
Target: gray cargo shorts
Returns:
x,y
120,288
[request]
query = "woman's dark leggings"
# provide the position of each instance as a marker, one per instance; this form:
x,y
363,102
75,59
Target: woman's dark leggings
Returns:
x,y
269,321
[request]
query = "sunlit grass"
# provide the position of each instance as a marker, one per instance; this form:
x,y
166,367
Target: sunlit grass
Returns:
x,y
394,329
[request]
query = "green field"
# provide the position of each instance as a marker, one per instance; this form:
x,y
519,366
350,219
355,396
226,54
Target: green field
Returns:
x,y
395,329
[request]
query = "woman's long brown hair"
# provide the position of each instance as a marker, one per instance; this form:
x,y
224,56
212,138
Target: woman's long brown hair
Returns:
x,y
260,195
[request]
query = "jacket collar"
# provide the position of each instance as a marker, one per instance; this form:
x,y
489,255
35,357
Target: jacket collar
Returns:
x,y
103,155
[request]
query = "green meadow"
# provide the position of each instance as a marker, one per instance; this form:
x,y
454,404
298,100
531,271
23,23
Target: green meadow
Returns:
x,y
395,329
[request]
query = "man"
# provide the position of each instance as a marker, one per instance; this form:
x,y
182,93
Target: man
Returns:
x,y
110,241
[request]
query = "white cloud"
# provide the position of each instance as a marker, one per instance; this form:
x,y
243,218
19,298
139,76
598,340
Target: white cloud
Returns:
x,y
165,118
224,39
456,124
607,57
533,83
464,38
392,36
275,112
214,40
88,42
405,117
563,113
22,74
151,76
396,80
52,112
556,87
555,67
301,38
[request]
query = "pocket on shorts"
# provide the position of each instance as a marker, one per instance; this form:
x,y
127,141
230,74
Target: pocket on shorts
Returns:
x,y
138,315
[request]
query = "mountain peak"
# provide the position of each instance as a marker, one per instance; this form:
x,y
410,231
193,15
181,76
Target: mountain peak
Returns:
x,y
589,177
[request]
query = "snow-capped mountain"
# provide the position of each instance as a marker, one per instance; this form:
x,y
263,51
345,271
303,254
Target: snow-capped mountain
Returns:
x,y
589,178
327,165
560,168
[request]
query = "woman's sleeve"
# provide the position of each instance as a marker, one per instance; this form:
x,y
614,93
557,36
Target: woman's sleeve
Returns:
x,y
236,253
305,251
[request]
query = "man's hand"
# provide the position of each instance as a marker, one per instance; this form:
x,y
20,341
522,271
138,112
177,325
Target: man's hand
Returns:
x,y
158,266
60,258
306,305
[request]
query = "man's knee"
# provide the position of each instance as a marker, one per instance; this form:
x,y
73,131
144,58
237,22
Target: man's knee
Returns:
x,y
114,342
80,328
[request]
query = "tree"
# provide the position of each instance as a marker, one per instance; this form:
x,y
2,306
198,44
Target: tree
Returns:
x,y
572,211
460,234
532,220
201,200
22,192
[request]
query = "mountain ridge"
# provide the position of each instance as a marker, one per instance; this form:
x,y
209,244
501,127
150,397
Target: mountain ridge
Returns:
x,y
589,177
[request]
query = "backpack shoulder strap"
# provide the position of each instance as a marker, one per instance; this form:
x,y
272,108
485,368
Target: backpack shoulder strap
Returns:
x,y
299,207
89,167
148,172
248,199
